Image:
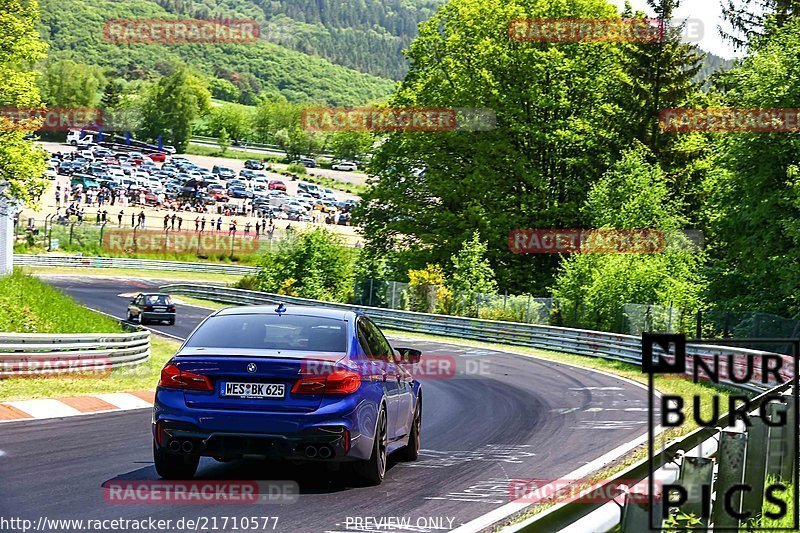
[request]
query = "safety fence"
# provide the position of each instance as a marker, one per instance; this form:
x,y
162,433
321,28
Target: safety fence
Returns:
x,y
138,264
32,354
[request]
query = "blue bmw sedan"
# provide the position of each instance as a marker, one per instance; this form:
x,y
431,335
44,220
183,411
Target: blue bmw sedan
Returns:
x,y
302,383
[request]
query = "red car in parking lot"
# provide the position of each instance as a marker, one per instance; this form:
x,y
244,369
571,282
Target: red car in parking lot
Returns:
x,y
276,185
158,157
219,195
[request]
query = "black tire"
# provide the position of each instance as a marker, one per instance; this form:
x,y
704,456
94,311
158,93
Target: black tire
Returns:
x,y
372,471
174,466
410,452
130,317
171,322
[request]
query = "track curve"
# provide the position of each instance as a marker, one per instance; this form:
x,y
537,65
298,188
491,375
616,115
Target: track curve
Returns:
x,y
516,418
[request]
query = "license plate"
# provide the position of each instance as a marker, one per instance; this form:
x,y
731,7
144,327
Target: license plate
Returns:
x,y
159,309
254,390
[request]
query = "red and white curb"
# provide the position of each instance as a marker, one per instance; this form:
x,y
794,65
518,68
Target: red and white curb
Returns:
x,y
75,405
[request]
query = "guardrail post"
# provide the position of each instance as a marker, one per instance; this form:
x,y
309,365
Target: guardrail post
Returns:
x,y
789,467
756,470
636,516
730,472
779,447
696,473
102,229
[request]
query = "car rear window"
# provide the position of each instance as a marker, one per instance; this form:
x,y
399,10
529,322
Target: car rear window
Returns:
x,y
271,332
157,299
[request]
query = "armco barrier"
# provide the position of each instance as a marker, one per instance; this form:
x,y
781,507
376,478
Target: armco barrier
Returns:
x,y
25,354
700,444
138,264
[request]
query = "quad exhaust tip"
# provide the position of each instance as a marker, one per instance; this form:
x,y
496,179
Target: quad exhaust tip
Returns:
x,y
186,446
323,452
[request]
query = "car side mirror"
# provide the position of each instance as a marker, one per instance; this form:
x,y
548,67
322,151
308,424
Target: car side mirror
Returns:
x,y
409,356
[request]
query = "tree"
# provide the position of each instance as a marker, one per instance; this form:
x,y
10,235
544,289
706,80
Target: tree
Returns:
x,y
224,141
233,118
112,95
224,90
272,116
593,287
472,275
171,106
750,19
753,213
350,145
66,83
661,76
21,164
561,120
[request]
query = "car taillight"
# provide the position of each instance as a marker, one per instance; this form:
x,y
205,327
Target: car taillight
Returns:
x,y
337,382
171,308
173,378
147,307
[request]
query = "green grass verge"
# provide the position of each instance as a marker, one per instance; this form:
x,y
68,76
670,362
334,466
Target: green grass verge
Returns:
x,y
28,305
189,300
784,522
330,183
141,377
134,273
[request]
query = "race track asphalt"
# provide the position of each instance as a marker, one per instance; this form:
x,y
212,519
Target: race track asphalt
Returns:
x,y
500,417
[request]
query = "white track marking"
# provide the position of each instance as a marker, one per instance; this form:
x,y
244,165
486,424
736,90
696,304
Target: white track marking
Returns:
x,y
124,400
44,408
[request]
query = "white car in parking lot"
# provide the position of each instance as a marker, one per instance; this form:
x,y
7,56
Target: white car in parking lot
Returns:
x,y
344,165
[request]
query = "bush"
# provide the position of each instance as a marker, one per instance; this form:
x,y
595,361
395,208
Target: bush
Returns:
x,y
313,265
295,168
426,290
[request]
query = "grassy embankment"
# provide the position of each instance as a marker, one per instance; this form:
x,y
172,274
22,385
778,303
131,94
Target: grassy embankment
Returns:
x,y
28,305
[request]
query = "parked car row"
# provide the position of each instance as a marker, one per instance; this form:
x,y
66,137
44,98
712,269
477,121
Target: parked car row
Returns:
x,y
179,178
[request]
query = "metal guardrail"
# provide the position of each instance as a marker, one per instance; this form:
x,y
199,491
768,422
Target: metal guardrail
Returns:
x,y
29,354
690,462
254,146
122,262
611,346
